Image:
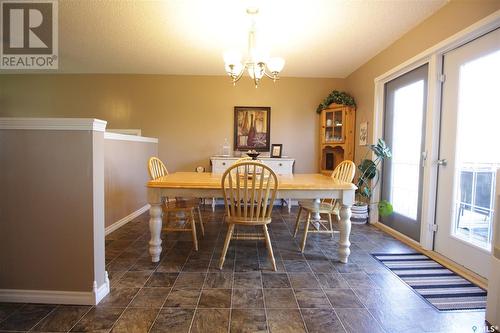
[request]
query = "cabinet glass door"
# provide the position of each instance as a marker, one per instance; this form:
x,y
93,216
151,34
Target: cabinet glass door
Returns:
x,y
334,126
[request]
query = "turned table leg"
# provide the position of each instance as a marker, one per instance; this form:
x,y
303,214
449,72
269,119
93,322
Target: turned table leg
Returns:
x,y
155,225
345,231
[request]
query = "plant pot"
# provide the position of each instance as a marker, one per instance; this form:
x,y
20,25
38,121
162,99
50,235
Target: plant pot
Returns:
x,y
359,213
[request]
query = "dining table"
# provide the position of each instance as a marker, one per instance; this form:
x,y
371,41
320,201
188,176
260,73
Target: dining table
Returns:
x,y
208,185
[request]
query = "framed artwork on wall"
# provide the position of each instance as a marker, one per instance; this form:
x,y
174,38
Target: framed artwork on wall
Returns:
x,y
276,150
363,133
252,128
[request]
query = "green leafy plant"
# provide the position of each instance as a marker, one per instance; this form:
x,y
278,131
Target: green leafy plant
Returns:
x,y
370,175
338,97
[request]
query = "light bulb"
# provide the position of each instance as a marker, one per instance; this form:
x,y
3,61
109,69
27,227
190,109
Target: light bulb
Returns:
x,y
235,70
276,64
232,57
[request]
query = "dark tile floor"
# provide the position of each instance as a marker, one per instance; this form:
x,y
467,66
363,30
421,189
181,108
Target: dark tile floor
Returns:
x,y
186,292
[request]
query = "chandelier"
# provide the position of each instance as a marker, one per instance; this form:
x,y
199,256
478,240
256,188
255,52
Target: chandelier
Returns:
x,y
257,62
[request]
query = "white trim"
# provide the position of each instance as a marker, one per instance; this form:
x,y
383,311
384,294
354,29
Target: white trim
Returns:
x,y
56,124
126,219
129,131
56,296
47,296
102,291
433,56
430,174
397,234
128,137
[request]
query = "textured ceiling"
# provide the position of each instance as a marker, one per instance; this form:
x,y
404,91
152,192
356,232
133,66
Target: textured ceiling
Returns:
x,y
317,38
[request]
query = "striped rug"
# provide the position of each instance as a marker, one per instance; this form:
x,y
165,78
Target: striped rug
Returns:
x,y
438,285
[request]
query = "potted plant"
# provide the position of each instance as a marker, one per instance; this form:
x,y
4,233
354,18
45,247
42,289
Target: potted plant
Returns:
x,y
369,177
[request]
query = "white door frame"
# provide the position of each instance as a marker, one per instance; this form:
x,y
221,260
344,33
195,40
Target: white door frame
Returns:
x,y
433,56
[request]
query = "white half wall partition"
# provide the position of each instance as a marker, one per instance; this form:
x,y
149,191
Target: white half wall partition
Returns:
x,y
52,210
125,177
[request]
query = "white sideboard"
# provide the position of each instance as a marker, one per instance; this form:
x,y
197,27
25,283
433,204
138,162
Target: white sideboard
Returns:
x,y
281,166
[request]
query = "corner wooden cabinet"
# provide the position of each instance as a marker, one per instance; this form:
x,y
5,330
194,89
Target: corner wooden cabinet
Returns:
x,y
336,136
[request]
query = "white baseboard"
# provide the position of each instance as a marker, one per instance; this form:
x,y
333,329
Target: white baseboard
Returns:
x,y
102,291
56,296
126,220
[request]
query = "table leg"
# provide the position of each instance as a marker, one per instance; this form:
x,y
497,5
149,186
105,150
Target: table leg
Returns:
x,y
213,204
289,205
345,231
155,224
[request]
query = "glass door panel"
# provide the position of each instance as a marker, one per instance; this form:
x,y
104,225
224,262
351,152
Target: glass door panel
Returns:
x,y
404,123
469,142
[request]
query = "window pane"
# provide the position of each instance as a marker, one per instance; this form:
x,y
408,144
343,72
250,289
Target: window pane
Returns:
x,y
476,159
406,149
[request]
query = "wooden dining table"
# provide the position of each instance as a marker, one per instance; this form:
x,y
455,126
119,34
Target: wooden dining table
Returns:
x,y
208,185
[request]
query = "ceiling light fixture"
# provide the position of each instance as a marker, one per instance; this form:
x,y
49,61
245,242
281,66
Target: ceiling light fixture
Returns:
x,y
257,63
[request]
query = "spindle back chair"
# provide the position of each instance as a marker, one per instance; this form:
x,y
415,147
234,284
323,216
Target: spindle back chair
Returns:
x,y
249,190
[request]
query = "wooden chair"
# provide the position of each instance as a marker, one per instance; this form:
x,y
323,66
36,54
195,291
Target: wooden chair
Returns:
x,y
343,172
249,190
177,206
243,159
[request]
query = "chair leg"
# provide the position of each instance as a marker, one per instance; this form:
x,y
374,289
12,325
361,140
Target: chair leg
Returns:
x,y
201,222
226,245
167,219
297,223
193,230
269,247
306,230
330,222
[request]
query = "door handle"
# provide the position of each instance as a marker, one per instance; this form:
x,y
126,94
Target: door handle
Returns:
x,y
442,162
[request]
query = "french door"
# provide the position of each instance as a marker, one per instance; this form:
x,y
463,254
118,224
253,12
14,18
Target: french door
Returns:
x,y
404,127
469,152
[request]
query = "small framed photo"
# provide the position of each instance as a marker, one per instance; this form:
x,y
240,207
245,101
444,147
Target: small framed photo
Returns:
x,y
363,133
276,150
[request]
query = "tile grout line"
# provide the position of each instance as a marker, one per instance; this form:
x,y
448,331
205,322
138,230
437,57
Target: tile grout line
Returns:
x,y
39,321
13,312
201,290
264,301
80,319
133,298
164,301
322,289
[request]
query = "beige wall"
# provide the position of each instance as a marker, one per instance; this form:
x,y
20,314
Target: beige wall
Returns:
x,y
450,19
125,177
190,115
46,197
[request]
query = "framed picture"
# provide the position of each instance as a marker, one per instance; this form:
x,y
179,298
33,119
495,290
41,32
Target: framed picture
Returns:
x,y
252,128
276,150
363,133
